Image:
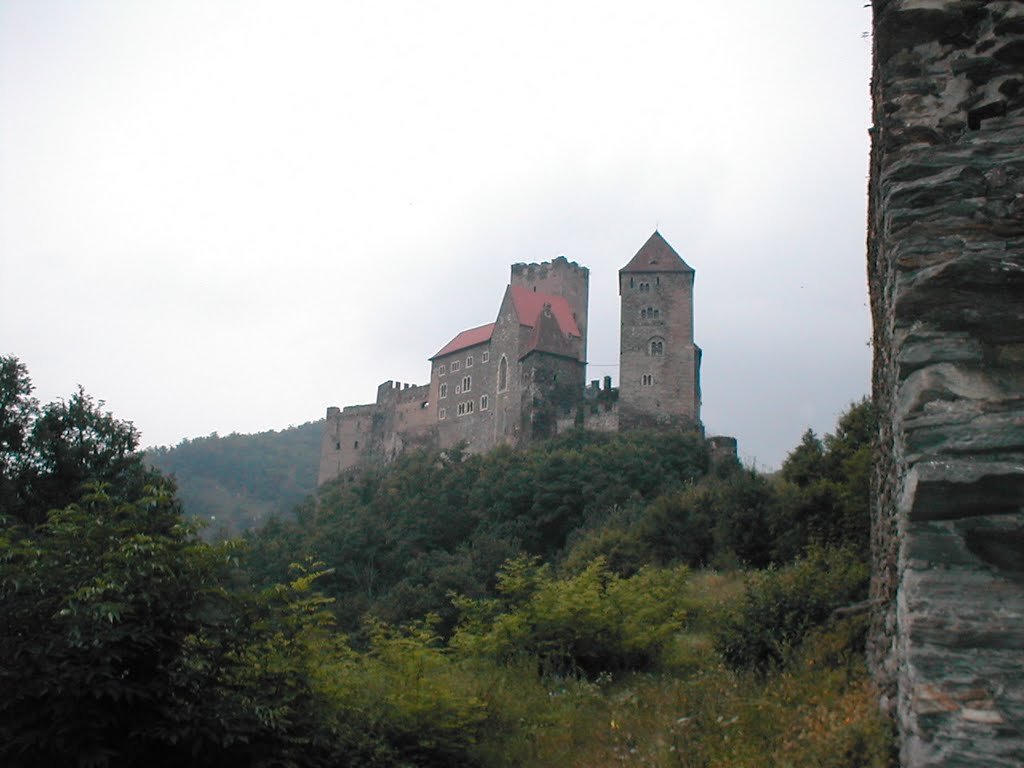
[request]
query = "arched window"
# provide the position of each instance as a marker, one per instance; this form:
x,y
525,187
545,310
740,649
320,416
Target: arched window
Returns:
x,y
656,347
503,374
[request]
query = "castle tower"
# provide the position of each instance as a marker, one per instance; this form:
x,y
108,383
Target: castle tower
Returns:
x,y
559,277
659,365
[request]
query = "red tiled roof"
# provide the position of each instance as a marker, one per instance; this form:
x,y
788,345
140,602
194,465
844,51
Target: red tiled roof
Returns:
x,y
548,337
529,305
656,255
469,338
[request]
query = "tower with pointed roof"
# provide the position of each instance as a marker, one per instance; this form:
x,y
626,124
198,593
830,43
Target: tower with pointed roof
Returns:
x,y
659,364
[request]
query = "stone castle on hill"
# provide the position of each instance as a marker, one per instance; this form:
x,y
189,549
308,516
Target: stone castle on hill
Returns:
x,y
521,378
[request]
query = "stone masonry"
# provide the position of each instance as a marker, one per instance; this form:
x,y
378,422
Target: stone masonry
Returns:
x,y
946,273
521,378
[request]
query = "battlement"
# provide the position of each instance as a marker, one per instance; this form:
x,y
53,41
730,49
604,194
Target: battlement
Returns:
x,y
399,392
541,270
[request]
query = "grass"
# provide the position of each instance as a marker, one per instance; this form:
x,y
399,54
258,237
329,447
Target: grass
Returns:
x,y
819,710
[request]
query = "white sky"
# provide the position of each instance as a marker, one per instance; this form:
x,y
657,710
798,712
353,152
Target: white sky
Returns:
x,y
227,216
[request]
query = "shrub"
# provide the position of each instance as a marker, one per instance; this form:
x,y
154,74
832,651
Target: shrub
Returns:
x,y
782,606
592,622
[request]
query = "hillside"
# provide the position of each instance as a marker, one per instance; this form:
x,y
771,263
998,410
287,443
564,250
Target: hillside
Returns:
x,y
238,481
401,538
536,608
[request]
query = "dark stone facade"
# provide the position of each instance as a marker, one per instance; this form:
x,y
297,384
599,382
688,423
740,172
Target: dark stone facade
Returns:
x,y
946,273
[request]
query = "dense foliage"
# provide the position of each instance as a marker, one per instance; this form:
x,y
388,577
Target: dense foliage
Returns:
x,y
400,539
238,481
126,640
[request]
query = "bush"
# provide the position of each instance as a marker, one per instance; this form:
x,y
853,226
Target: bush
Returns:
x,y
782,606
589,623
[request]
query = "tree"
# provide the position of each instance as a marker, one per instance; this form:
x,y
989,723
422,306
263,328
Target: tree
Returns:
x,y
825,487
98,601
48,454
17,411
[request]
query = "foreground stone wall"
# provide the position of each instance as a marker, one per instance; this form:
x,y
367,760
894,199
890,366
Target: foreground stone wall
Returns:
x,y
946,272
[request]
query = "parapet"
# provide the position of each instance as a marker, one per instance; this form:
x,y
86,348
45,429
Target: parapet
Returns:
x,y
539,271
399,392
723,448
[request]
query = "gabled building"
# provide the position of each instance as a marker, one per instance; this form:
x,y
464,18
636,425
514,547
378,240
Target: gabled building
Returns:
x,y
521,378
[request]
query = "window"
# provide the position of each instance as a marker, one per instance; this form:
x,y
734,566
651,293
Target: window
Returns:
x,y
469,361
484,402
656,347
646,380
442,391
356,446
441,414
462,409
503,374
657,281
485,357
458,389
469,406
440,370
467,383
631,283
337,446
456,365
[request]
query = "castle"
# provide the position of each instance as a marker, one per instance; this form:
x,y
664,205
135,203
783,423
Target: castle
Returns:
x,y
521,378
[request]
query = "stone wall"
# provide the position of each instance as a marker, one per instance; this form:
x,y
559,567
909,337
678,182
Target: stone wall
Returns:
x,y
475,427
658,359
946,273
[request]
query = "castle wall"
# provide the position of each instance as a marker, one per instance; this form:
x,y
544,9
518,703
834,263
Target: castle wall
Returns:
x,y
406,419
347,440
598,411
657,389
946,273
552,386
475,427
559,277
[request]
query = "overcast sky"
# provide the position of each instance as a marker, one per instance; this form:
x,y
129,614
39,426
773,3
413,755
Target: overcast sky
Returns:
x,y
227,216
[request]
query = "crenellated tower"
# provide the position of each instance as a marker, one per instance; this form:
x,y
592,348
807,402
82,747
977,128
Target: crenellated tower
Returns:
x,y
559,277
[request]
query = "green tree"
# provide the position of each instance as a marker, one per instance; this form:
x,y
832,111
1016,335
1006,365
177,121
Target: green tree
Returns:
x,y
49,453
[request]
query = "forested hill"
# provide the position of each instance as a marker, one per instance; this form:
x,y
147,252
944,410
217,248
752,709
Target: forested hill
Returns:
x,y
535,608
238,481
402,538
